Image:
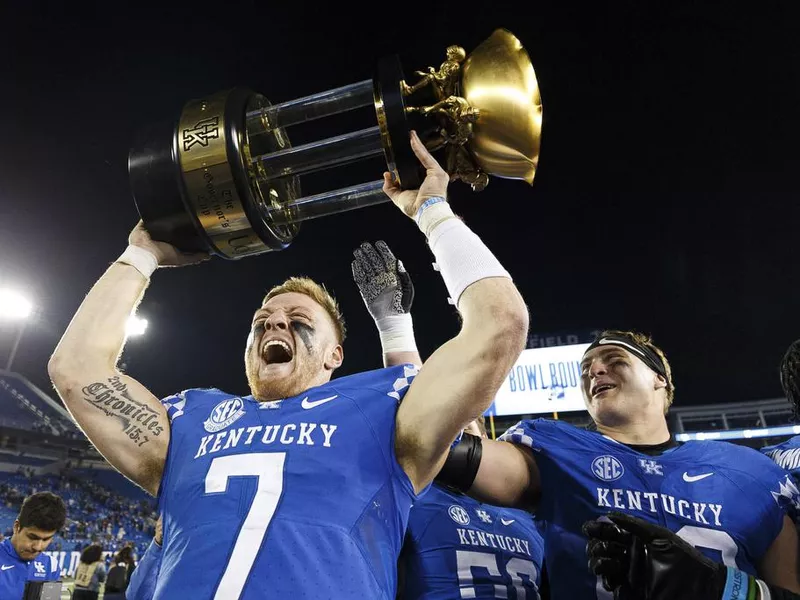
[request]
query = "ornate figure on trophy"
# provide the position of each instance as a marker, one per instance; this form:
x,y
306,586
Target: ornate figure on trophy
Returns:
x,y
224,178
456,117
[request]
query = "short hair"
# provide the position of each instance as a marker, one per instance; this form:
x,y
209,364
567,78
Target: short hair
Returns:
x,y
318,293
92,554
645,340
44,510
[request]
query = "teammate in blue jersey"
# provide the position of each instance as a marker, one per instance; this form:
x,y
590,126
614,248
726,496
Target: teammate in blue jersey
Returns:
x,y
41,517
455,547
142,585
787,454
727,500
301,489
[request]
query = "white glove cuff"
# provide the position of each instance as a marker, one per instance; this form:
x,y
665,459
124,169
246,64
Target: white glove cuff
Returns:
x,y
140,259
397,333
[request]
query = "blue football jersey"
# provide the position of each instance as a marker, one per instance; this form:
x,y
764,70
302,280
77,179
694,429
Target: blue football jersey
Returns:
x,y
142,583
14,571
727,500
457,547
299,498
787,455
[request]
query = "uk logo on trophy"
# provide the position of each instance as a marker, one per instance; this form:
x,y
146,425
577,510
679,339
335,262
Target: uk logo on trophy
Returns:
x,y
201,133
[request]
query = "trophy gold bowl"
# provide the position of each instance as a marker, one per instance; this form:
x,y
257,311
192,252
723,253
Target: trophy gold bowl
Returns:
x,y
224,178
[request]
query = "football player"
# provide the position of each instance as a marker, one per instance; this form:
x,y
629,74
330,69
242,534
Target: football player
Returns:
x,y
301,489
729,501
455,547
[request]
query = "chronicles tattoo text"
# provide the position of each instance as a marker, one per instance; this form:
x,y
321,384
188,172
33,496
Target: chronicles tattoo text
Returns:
x,y
139,421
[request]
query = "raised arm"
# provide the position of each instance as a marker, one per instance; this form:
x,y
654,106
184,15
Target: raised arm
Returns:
x,y
459,381
125,422
387,291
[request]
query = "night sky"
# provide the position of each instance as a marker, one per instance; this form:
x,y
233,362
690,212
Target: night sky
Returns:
x,y
666,198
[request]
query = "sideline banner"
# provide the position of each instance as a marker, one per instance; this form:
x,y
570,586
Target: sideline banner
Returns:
x,y
543,380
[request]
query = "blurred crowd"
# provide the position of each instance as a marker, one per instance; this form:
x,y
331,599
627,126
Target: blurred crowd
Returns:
x,y
95,515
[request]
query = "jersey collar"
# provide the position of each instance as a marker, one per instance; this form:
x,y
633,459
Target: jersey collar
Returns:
x,y
8,548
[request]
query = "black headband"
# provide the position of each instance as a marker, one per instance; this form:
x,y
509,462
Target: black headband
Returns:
x,y
645,354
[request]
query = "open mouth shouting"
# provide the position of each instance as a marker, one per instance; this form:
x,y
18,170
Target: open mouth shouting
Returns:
x,y
276,351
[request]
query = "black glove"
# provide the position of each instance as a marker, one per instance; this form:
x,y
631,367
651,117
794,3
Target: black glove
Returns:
x,y
641,561
382,281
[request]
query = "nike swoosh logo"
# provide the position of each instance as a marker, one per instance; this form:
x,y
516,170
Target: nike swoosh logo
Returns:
x,y
7,567
692,478
504,522
306,404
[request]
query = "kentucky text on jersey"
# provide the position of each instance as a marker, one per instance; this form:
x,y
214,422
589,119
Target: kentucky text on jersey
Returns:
x,y
308,434
654,502
469,537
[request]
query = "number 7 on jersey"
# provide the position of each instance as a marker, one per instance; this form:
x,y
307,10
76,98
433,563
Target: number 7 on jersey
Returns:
x,y
268,468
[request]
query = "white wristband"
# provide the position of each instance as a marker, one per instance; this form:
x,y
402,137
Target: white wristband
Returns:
x,y
397,333
764,590
140,259
433,212
462,257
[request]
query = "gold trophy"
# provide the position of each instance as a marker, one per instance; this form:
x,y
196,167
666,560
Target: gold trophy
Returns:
x,y
225,179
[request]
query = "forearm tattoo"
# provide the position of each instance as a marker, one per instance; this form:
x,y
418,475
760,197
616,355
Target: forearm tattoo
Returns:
x,y
140,422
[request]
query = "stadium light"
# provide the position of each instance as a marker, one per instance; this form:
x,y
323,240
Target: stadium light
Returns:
x,y
135,327
14,307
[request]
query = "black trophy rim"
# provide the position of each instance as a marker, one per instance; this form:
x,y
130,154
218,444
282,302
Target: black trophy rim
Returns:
x,y
389,74
154,175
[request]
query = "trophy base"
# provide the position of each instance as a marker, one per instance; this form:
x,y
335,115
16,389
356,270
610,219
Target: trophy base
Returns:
x,y
158,191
